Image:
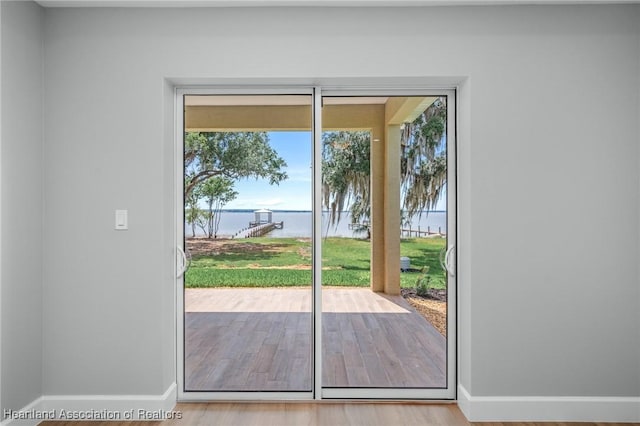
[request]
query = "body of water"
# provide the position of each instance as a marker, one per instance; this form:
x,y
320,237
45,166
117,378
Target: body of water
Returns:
x,y
299,224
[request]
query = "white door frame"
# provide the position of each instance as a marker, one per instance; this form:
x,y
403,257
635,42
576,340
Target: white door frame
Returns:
x,y
318,392
179,188
449,393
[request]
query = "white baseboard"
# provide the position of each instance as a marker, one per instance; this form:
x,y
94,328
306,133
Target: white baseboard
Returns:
x,y
548,409
99,407
26,416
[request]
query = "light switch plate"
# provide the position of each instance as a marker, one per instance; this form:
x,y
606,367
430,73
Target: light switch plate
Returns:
x,y
122,220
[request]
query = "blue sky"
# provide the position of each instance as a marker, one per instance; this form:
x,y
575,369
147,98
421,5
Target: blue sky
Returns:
x,y
293,193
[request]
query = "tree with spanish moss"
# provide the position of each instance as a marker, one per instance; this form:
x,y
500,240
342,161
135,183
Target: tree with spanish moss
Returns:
x,y
423,159
345,174
423,167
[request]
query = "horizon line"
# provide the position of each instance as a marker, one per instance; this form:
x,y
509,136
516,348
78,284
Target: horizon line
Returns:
x,y
308,211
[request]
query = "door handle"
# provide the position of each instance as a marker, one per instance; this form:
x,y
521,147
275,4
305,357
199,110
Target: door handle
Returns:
x,y
183,263
447,264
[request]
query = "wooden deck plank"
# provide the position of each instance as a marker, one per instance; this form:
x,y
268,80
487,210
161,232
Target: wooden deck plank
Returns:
x,y
334,372
260,339
377,374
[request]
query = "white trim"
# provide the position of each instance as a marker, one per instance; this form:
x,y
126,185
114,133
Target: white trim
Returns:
x,y
546,409
180,92
293,85
99,407
34,406
127,407
245,396
179,234
316,128
452,240
391,394
251,90
311,3
389,91
393,87
463,399
1,196
442,394
463,182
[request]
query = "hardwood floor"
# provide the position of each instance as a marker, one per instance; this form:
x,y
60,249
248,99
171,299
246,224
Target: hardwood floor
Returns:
x,y
300,414
320,414
357,324
260,339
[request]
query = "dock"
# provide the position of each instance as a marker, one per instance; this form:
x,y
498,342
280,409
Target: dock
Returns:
x,y
258,229
419,233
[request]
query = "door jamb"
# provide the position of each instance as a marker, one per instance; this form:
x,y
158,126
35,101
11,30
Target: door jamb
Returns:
x,y
317,391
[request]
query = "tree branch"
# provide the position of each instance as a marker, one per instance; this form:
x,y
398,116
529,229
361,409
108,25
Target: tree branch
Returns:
x,y
200,177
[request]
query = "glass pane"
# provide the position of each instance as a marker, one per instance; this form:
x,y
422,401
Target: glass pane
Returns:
x,y
248,222
384,178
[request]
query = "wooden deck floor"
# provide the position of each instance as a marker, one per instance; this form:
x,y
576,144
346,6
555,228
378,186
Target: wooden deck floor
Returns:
x,y
260,339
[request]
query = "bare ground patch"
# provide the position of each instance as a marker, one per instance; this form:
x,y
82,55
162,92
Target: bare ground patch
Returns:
x,y
433,307
205,246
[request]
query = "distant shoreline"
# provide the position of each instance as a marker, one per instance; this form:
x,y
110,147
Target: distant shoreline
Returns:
x,y
300,223
308,211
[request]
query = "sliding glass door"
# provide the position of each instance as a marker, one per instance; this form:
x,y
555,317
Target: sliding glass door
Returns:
x,y
320,227
247,296
388,220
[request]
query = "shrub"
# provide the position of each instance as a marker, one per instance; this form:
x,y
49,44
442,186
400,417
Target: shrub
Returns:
x,y
423,284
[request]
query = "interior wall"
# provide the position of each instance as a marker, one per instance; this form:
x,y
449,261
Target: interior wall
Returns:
x,y
548,190
21,194
638,123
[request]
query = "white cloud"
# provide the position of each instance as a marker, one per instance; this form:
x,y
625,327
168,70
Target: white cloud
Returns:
x,y
256,202
299,174
272,202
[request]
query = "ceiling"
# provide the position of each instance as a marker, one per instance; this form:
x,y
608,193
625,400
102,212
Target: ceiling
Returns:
x,y
310,3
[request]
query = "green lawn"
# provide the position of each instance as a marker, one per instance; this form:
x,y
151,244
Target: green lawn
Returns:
x,y
265,262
